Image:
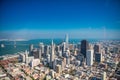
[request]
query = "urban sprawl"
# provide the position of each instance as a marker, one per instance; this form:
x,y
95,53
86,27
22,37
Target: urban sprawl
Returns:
x,y
83,61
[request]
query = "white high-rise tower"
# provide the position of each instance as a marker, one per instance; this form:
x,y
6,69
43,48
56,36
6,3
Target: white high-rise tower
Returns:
x,y
89,57
52,52
26,57
41,46
31,48
39,51
67,40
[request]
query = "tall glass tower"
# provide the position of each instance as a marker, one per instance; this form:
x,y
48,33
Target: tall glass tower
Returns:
x,y
67,42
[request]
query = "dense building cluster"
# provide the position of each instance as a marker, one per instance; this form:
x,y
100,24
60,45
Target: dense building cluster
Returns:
x,y
83,61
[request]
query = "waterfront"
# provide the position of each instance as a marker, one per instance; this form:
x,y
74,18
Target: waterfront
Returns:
x,y
61,59
24,45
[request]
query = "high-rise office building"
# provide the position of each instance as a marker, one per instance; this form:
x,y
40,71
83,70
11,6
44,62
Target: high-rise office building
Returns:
x,y
52,54
63,47
26,57
97,48
39,51
48,58
67,42
47,49
31,48
89,57
41,46
54,63
22,57
97,53
35,53
79,47
57,48
98,57
67,56
84,47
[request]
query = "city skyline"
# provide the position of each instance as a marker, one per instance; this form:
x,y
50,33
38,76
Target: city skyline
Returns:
x,y
53,19
62,61
59,40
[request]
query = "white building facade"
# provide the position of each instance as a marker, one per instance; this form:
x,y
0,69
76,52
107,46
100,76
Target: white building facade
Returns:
x,y
89,57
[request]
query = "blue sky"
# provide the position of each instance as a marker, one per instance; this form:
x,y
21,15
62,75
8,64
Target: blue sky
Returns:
x,y
31,19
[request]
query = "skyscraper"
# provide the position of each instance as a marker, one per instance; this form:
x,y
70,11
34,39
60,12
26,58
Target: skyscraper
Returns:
x,y
97,53
84,47
52,54
63,47
96,48
26,57
89,57
22,57
35,53
39,51
98,57
67,41
31,48
41,46
47,49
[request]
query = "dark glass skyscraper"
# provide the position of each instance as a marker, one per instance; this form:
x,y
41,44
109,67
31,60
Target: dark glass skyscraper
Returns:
x,y
96,48
84,47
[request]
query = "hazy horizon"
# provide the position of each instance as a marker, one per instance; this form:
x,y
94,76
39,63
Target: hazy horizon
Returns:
x,y
34,19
